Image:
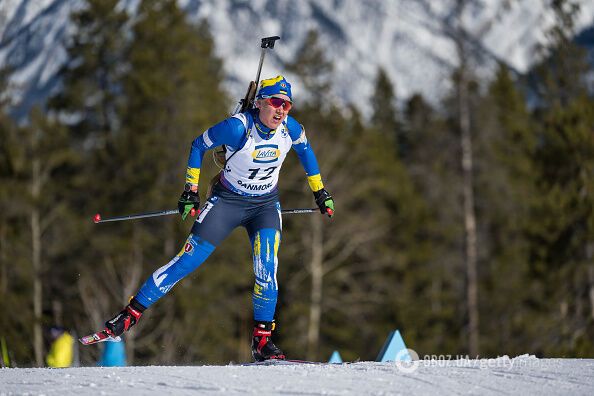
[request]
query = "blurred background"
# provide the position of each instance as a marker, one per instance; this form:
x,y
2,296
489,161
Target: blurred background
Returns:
x,y
456,136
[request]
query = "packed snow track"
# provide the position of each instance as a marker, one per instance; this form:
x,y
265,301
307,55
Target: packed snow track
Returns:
x,y
521,375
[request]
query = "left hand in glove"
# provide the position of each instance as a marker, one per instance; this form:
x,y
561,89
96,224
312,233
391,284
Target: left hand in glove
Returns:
x,y
325,202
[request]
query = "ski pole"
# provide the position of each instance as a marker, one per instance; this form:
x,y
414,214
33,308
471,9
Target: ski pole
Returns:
x,y
98,219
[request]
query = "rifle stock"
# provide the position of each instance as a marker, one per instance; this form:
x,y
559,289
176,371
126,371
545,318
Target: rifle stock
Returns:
x,y
248,101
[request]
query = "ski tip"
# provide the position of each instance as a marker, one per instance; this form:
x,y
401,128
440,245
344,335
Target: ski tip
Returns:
x,y
100,336
97,218
87,340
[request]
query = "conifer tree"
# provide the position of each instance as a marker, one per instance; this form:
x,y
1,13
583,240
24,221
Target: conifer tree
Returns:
x,y
505,196
91,105
46,150
90,101
560,75
384,112
33,164
174,94
431,164
15,279
314,69
351,258
32,158
135,95
563,231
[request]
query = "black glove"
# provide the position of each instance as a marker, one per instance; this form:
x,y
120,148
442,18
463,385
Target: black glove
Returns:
x,y
187,201
325,202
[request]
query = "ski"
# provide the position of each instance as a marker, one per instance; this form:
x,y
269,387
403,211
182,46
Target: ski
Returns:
x,y
278,362
99,336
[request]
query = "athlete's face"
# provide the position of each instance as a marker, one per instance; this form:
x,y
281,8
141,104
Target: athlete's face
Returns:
x,y
270,115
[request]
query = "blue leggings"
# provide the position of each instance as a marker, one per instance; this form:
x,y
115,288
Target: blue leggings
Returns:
x,y
223,212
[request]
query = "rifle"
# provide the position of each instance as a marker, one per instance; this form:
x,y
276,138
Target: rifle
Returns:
x,y
247,102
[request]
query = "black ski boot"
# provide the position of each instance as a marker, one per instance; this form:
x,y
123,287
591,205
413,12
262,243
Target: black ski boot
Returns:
x,y
262,346
125,319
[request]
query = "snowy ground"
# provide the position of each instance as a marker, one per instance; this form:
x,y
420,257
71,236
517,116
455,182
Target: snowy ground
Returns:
x,y
521,375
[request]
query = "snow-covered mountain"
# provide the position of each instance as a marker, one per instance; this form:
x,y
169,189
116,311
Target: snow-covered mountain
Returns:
x,y
408,38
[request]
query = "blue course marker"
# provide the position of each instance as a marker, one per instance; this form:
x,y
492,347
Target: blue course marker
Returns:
x,y
394,349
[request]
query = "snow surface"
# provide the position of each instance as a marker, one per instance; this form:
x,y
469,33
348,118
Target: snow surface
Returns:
x,y
521,375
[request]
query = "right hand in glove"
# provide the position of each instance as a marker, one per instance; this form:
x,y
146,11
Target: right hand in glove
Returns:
x,y
188,200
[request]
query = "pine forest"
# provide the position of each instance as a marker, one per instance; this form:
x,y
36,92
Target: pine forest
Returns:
x,y
468,224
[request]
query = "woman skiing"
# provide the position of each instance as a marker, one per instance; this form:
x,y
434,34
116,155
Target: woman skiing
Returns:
x,y
246,194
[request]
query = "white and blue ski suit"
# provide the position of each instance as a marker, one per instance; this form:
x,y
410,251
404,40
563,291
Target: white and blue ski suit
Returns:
x,y
246,195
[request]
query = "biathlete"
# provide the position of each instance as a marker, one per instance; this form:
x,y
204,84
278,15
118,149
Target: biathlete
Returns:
x,y
257,142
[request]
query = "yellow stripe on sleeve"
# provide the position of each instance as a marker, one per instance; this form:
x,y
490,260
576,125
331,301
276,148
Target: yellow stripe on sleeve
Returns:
x,y
192,175
315,182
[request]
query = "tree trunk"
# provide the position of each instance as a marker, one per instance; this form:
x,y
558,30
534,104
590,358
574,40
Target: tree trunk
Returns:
x,y
591,276
36,260
589,254
468,193
3,256
317,274
58,311
471,247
